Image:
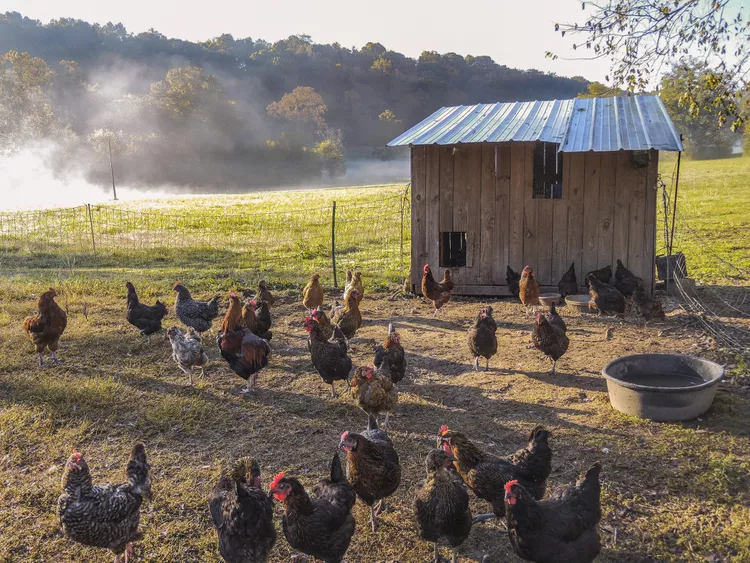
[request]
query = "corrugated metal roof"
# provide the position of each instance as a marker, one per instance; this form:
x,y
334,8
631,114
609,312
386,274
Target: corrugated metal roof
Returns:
x,y
579,125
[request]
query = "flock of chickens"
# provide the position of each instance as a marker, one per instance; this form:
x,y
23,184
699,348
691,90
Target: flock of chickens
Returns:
x,y
557,529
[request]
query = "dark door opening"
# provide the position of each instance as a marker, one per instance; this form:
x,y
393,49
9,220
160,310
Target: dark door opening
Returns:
x,y
453,250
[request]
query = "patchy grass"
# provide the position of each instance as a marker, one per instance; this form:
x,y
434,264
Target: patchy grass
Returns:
x,y
671,492
713,223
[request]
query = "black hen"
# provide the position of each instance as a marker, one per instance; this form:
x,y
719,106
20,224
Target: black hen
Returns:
x,y
242,514
482,338
560,529
555,319
513,279
568,284
195,314
329,357
626,281
392,354
321,527
145,318
442,504
602,274
106,516
608,299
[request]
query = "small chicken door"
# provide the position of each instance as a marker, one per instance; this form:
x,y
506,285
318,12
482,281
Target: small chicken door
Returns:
x,y
453,250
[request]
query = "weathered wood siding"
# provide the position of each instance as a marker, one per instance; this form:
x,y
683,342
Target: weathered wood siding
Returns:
x,y
607,211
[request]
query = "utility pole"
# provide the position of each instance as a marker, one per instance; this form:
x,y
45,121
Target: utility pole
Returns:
x,y
111,168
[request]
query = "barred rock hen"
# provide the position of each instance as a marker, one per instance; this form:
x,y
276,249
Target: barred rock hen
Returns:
x,y
144,317
648,306
243,514
555,319
372,466
350,319
312,295
438,293
482,338
354,282
513,280
602,274
104,516
550,339
329,358
46,327
486,474
392,354
253,323
195,314
245,352
321,527
187,351
561,529
568,284
529,289
441,505
264,294
608,299
374,391
625,280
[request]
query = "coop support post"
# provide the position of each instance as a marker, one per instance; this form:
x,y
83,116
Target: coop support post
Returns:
x,y
91,224
112,169
674,216
333,244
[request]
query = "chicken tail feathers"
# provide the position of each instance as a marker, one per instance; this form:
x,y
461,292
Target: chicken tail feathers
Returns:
x,y
137,471
372,422
337,471
593,473
539,435
379,355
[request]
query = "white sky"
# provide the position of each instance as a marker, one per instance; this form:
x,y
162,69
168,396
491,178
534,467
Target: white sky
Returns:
x,y
515,33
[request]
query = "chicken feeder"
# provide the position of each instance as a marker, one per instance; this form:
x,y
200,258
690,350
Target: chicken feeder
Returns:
x,y
662,387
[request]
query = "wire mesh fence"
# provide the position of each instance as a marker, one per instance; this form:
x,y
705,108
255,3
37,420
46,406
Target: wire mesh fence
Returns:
x,y
286,243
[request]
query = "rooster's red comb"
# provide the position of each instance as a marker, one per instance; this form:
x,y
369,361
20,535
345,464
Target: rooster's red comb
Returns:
x,y
509,484
76,455
275,481
344,436
443,430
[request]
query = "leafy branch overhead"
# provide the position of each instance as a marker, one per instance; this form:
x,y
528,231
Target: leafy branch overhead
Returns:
x,y
644,38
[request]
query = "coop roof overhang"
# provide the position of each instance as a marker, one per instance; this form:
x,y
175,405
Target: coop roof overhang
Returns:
x,y
584,124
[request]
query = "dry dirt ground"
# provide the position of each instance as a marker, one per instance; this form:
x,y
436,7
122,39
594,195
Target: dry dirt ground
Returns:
x,y
671,492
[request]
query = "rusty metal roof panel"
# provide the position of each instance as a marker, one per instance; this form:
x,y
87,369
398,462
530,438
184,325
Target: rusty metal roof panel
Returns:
x,y
579,125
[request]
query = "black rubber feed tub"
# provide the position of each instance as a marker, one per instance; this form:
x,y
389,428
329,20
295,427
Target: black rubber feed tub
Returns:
x,y
662,386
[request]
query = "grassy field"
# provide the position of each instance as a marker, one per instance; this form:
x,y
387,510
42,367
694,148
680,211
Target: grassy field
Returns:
x,y
671,492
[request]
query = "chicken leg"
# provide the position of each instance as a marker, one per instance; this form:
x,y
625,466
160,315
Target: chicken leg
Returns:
x,y
476,363
54,357
437,558
554,367
487,364
333,391
373,520
41,359
385,425
454,555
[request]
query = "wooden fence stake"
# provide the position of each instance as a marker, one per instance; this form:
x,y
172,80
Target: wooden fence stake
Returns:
x,y
91,224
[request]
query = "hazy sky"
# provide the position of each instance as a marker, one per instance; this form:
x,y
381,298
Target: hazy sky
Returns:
x,y
515,33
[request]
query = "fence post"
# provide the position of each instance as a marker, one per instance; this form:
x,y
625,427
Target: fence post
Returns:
x,y
333,244
91,224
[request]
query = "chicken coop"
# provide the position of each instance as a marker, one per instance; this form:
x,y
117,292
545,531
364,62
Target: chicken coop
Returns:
x,y
544,184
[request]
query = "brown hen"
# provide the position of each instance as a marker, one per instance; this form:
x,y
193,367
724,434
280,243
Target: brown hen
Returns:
x,y
46,327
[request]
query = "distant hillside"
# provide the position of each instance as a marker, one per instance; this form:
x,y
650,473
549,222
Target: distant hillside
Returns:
x,y
167,100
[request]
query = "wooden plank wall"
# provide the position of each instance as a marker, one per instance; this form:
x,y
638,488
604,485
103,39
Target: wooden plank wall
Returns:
x,y
608,211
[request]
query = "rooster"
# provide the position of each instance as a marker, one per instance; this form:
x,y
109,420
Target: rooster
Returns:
x,y
441,505
486,474
264,294
321,527
350,319
245,352
561,529
626,281
438,293
608,300
144,317
482,338
392,354
550,339
602,274
372,466
374,391
104,516
46,327
354,282
187,351
195,314
243,514
568,284
253,323
329,358
513,280
529,289
312,295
